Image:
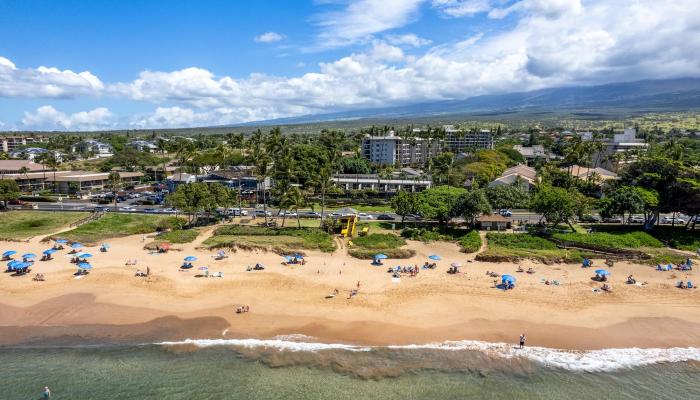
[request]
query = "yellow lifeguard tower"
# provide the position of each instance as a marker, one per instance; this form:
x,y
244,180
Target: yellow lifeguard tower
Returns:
x,y
348,221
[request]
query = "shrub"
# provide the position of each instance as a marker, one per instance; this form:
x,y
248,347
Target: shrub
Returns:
x,y
179,236
519,241
311,238
471,242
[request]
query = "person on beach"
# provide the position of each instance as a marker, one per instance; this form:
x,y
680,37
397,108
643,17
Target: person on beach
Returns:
x,y
47,393
522,341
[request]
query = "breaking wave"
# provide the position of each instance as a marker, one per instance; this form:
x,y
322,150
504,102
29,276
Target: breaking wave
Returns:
x,y
464,354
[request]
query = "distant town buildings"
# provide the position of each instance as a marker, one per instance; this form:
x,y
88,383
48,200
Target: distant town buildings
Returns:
x,y
520,173
93,147
617,151
532,153
143,145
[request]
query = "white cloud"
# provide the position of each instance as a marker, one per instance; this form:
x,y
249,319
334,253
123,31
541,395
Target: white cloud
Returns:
x,y
549,46
359,20
546,8
409,39
269,37
46,82
48,118
461,8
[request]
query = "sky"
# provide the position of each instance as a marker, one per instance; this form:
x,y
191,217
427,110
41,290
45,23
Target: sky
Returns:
x,y
92,65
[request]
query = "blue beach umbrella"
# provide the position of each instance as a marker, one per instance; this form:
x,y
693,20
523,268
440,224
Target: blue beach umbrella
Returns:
x,y
190,258
9,253
298,255
13,264
435,257
29,255
76,245
84,265
508,279
380,256
49,251
85,255
602,272
288,258
61,241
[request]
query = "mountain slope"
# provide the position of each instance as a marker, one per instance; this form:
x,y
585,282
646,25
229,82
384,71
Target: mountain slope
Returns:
x,y
648,96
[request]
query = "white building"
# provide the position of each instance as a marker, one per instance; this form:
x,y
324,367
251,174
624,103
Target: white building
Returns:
x,y
408,179
395,150
95,147
11,143
144,146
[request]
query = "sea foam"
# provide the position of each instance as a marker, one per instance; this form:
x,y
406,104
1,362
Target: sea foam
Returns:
x,y
572,360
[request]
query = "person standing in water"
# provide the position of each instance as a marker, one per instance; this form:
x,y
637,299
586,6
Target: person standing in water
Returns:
x,y
522,340
46,393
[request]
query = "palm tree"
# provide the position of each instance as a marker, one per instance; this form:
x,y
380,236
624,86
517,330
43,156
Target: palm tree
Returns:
x,y
24,171
161,146
115,181
323,181
294,201
53,162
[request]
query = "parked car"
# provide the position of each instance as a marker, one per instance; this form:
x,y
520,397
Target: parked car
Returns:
x,y
29,206
365,216
589,219
100,208
385,217
673,220
311,214
127,209
612,220
288,214
262,213
236,212
635,219
414,217
506,213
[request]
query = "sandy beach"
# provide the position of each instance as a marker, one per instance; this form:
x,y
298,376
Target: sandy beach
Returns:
x,y
112,305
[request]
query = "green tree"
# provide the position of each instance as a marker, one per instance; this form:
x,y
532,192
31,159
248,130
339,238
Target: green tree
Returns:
x,y
9,191
439,203
509,196
559,205
621,201
472,204
404,203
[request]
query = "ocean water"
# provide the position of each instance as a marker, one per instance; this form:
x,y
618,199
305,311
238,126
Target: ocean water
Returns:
x,y
288,369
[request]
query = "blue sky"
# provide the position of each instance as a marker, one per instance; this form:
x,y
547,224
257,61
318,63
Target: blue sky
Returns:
x,y
83,65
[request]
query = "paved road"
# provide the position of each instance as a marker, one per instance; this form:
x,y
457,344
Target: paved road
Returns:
x,y
519,216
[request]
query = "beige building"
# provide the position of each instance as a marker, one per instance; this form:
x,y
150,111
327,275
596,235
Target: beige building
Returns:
x,y
14,142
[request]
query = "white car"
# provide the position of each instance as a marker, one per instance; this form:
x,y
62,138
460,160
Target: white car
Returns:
x,y
635,219
673,220
262,213
365,216
289,214
127,209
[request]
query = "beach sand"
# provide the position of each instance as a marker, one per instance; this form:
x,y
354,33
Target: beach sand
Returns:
x,y
111,305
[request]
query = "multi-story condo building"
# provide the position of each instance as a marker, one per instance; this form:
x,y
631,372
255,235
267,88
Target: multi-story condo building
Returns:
x,y
12,143
457,141
398,151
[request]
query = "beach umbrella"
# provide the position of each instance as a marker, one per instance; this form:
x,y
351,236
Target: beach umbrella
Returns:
x,y
29,255
49,251
602,272
13,264
85,255
61,241
76,245
508,279
456,264
84,265
435,257
297,255
288,258
190,258
21,266
380,256
9,253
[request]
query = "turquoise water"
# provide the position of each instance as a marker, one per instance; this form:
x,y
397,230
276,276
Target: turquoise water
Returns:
x,y
160,372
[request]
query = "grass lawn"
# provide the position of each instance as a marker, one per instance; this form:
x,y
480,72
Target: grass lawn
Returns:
x,y
365,247
24,224
283,240
174,236
118,225
516,246
676,237
470,241
616,240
